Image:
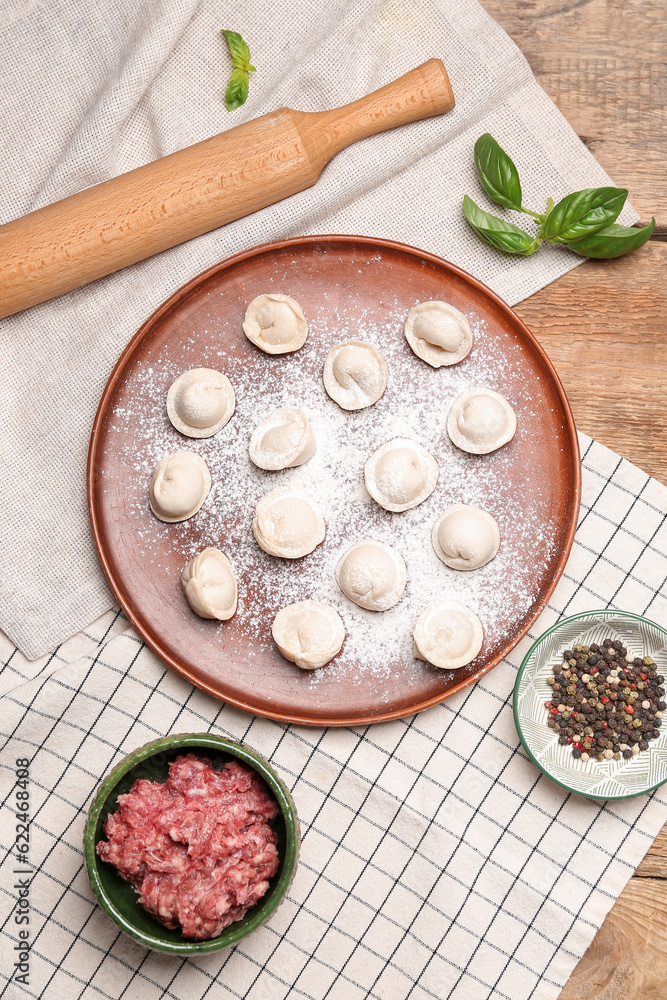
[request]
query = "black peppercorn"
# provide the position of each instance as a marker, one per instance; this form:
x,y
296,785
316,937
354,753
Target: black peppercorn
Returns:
x,y
605,710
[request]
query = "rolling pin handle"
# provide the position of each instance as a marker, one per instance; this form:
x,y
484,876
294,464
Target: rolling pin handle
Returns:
x,y
424,92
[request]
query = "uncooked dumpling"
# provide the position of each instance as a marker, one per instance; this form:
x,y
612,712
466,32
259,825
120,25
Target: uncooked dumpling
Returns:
x,y
400,474
355,374
209,583
438,333
309,633
200,402
179,485
465,537
447,634
372,574
288,523
283,440
481,421
275,323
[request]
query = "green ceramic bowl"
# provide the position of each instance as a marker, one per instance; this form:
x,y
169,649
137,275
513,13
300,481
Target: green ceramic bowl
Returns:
x,y
117,896
600,780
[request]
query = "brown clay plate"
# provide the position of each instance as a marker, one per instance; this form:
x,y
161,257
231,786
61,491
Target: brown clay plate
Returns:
x,y
349,288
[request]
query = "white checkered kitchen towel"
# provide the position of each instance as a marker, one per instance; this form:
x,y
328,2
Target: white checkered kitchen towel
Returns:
x,y
89,90
437,862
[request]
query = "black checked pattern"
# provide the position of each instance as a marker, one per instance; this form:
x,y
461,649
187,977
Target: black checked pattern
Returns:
x,y
436,861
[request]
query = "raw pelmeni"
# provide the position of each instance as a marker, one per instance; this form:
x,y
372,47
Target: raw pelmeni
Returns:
x,y
209,584
372,574
447,634
200,402
438,333
480,421
275,323
288,523
309,633
355,374
400,475
179,485
283,440
465,537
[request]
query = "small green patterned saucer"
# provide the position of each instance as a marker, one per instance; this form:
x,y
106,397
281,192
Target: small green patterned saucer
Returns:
x,y
603,780
118,898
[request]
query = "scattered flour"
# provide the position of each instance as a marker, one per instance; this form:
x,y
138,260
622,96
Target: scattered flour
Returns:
x,y
415,406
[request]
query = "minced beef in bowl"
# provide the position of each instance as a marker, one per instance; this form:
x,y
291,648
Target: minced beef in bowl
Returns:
x,y
198,848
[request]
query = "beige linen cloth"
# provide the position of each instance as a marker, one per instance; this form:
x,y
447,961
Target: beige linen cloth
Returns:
x,y
89,90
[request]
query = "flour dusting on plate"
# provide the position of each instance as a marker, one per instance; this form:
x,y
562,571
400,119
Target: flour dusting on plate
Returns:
x,y
415,405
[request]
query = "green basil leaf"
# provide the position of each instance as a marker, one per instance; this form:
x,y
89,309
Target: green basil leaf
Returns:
x,y
238,50
583,213
497,173
237,89
613,241
497,232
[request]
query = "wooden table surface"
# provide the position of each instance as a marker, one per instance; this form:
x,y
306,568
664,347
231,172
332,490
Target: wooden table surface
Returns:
x,y
603,326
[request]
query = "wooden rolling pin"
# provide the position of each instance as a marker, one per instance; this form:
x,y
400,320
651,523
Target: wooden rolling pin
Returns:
x,y
133,216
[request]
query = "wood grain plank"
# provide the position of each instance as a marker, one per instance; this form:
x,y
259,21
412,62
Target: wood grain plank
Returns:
x,y
603,325
602,63
654,864
626,960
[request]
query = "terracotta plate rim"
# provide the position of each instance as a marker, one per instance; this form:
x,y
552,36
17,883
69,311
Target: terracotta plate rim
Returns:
x,y
374,244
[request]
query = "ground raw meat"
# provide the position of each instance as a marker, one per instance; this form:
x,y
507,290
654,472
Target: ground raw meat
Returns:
x,y
197,848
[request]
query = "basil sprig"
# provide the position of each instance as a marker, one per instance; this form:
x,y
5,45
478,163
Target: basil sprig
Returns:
x,y
583,213
497,173
583,221
497,232
613,241
237,88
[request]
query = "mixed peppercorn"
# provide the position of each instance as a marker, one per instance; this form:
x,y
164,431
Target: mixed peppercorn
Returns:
x,y
605,704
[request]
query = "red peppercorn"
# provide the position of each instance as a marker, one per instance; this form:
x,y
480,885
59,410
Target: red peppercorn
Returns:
x,y
629,708
643,676
606,725
604,698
